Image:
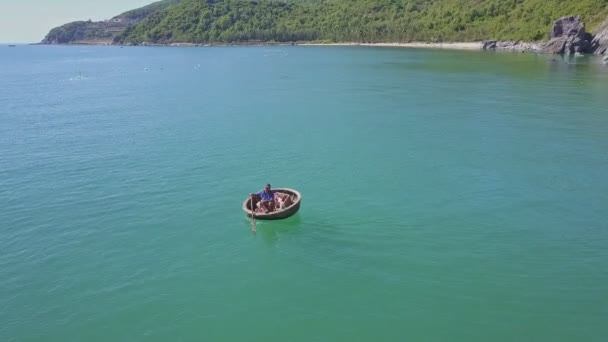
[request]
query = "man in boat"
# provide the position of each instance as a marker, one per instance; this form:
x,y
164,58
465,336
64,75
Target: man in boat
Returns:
x,y
267,198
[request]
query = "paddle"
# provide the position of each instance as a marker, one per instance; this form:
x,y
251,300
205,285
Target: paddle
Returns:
x,y
252,216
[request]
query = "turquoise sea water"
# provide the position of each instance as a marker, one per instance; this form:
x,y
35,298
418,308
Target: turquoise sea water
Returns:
x,y
447,195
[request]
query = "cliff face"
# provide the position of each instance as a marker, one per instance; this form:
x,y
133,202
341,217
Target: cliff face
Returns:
x,y
103,32
599,44
86,31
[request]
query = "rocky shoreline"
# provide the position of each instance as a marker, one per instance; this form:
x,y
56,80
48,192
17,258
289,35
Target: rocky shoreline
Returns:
x,y
568,37
514,46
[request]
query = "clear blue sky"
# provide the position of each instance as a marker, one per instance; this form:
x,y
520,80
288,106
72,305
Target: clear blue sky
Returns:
x,y
28,21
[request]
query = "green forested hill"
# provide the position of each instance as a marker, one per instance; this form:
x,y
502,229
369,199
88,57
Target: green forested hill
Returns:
x,y
202,21
143,12
227,21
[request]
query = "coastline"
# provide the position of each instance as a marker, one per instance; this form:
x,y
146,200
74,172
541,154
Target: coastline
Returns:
x,y
421,45
489,45
512,46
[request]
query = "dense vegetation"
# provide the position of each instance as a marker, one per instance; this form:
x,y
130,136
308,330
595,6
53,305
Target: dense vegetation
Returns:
x,y
226,21
222,21
143,12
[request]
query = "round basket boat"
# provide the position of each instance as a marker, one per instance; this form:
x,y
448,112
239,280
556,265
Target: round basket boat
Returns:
x,y
279,213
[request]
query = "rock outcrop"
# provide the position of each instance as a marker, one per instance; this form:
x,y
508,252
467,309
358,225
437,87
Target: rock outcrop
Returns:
x,y
489,45
517,46
568,36
599,44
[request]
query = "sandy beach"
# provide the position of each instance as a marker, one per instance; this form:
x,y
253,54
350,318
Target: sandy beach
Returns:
x,y
456,46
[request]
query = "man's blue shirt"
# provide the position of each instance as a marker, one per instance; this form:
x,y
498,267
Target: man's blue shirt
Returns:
x,y
266,196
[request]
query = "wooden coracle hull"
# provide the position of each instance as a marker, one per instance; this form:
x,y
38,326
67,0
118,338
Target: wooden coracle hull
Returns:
x,y
278,213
